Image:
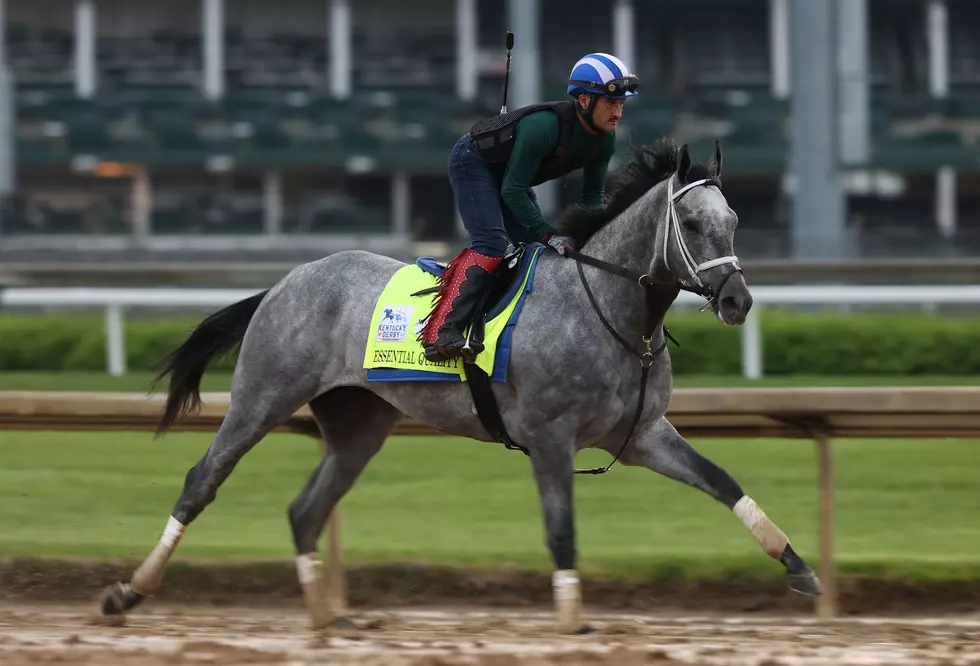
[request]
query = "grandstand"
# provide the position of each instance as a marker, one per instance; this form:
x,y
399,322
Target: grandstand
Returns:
x,y
250,130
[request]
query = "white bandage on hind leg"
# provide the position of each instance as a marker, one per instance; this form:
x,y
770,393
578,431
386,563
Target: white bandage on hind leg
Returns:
x,y
308,568
172,533
770,537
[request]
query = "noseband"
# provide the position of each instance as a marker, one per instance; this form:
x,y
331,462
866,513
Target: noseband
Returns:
x,y
693,269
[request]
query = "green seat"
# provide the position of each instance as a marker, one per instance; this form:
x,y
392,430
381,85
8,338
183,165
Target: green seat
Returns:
x,y
359,143
900,106
87,133
647,124
165,221
174,132
248,107
268,135
965,105
942,138
924,152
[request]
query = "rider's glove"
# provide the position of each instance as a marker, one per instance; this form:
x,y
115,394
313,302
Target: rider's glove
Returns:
x,y
560,243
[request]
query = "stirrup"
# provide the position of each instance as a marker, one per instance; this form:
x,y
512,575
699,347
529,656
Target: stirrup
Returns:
x,y
470,350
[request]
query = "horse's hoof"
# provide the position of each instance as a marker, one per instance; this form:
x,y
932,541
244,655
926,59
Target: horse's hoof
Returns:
x,y
805,583
117,599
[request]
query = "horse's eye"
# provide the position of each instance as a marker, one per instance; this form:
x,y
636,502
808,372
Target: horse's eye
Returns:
x,y
692,225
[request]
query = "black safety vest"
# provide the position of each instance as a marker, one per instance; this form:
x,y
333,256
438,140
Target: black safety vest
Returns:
x,y
494,140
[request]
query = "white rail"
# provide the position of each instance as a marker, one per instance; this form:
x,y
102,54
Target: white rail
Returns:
x,y
114,301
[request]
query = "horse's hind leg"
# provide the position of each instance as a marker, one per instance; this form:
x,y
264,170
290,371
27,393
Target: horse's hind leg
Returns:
x,y
355,423
254,411
662,449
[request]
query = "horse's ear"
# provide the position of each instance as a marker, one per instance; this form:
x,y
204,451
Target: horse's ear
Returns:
x,y
683,163
715,164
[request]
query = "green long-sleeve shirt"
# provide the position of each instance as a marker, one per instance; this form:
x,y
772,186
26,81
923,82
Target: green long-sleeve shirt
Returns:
x,y
537,137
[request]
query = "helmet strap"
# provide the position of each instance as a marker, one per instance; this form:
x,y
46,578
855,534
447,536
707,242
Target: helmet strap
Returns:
x,y
586,113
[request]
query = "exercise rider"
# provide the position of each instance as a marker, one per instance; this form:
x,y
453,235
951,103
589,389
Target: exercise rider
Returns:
x,y
492,169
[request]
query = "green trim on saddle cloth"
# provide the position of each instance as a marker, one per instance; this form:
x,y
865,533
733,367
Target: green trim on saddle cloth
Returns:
x,y
398,319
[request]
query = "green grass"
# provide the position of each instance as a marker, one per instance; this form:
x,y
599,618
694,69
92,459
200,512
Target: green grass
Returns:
x,y
97,381
903,507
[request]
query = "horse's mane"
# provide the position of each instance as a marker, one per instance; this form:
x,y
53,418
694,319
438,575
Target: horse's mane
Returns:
x,y
625,185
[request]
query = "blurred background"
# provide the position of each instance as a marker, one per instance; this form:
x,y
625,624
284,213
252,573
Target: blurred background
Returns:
x,y
221,142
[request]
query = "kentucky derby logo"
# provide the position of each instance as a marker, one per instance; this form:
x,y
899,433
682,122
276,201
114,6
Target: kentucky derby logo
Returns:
x,y
394,324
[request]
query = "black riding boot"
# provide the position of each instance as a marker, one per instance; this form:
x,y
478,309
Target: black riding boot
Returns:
x,y
464,286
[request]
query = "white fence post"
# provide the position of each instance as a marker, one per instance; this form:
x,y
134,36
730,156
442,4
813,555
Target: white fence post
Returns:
x,y
114,339
752,345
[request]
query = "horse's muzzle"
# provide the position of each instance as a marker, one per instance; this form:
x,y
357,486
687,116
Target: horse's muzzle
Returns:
x,y
734,300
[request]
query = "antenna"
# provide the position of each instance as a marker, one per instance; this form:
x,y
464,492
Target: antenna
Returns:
x,y
508,44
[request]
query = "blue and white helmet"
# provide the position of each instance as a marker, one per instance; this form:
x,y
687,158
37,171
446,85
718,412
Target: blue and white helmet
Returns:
x,y
602,74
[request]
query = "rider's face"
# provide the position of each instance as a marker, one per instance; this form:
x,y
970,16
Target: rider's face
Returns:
x,y
607,113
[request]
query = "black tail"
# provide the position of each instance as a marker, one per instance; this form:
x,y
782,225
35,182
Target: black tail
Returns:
x,y
214,337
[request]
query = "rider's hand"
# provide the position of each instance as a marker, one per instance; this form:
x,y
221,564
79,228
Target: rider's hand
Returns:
x,y
561,243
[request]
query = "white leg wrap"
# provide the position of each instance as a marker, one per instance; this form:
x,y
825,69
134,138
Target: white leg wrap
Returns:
x,y
770,537
172,533
309,570
568,599
149,575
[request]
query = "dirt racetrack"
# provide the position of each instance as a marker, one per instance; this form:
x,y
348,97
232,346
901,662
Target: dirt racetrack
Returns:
x,y
160,634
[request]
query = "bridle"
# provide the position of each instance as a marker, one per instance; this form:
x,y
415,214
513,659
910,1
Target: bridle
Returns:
x,y
694,285
672,223
648,355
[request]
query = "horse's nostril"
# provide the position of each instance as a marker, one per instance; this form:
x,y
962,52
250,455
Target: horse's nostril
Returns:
x,y
728,304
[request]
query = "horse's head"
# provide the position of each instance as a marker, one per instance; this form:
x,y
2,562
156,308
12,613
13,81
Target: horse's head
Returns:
x,y
680,228
696,242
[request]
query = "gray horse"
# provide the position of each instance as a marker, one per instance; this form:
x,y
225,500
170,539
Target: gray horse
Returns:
x,y
585,339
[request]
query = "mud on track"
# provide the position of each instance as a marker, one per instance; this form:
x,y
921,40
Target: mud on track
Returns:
x,y
273,584
194,635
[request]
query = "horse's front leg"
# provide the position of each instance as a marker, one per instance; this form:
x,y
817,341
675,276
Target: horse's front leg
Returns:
x,y
661,448
553,467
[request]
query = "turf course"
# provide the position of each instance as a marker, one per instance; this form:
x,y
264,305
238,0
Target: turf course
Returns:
x,y
904,508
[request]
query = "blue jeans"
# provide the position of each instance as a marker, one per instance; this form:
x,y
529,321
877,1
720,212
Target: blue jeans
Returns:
x,y
477,194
